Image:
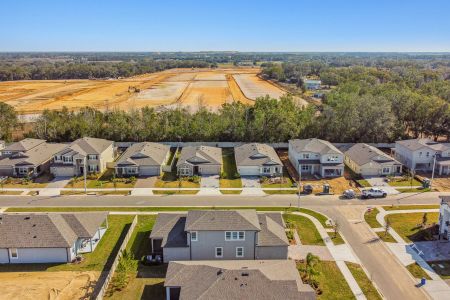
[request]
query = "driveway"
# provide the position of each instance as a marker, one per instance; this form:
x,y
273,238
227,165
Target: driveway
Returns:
x,y
59,182
379,182
250,182
145,182
209,181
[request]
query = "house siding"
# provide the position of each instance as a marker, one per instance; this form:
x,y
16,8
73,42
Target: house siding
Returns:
x,y
204,248
178,253
39,255
272,252
4,256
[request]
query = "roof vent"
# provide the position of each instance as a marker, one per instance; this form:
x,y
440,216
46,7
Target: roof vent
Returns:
x,y
27,218
34,237
245,274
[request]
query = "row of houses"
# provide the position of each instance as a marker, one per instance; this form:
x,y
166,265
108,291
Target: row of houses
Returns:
x,y
31,157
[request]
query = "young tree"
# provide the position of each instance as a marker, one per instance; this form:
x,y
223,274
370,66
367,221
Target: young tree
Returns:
x,y
424,220
387,226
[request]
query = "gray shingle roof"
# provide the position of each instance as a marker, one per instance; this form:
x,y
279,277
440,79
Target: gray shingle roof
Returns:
x,y
170,228
256,279
87,145
222,220
272,230
34,157
362,154
204,155
314,146
445,199
416,144
24,145
47,230
144,154
256,155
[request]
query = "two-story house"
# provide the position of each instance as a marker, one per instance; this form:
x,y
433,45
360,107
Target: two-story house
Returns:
x,y
219,235
90,153
257,160
444,218
316,157
420,154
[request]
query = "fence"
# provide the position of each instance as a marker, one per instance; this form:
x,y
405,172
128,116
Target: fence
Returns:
x,y
100,291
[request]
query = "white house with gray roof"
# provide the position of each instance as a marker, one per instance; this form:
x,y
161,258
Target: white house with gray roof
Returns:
x,y
316,157
444,218
219,235
49,237
143,159
29,157
241,279
199,160
257,160
90,153
418,155
367,160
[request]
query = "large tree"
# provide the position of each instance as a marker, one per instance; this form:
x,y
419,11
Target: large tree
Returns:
x,y
8,121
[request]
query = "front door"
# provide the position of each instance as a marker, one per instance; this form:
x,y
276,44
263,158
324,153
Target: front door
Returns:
x,y
195,170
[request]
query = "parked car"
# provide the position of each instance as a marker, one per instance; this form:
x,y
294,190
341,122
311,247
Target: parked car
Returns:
x,y
349,194
373,193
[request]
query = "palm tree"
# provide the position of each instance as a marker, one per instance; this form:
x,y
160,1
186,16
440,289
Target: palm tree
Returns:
x,y
310,271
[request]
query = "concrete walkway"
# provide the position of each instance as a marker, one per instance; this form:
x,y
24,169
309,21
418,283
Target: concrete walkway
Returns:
x,y
340,254
379,182
408,253
142,192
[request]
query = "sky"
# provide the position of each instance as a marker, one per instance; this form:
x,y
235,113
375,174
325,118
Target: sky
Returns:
x,y
217,25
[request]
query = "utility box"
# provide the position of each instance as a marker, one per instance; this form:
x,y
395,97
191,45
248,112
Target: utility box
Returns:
x,y
426,183
326,188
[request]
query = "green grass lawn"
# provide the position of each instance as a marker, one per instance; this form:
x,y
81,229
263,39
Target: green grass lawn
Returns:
x,y
175,192
104,181
409,207
371,219
414,182
417,271
363,281
10,192
229,170
337,240
408,226
287,182
280,192
39,182
322,219
231,192
414,190
331,281
170,180
306,229
386,237
441,267
100,259
363,183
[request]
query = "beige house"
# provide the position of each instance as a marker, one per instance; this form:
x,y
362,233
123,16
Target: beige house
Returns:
x,y
257,160
367,160
29,157
200,160
143,159
90,153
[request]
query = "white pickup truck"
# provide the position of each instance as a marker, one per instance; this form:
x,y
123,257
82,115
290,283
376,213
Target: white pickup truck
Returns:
x,y
373,193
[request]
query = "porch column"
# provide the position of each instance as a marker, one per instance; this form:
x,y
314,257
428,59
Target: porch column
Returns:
x,y
90,241
440,169
167,293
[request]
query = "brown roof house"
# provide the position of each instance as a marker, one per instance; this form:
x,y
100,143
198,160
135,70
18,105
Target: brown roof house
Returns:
x,y
237,279
90,153
220,235
199,160
257,160
50,237
29,157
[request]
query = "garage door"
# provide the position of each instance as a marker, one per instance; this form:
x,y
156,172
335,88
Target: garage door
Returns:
x,y
62,171
149,171
248,171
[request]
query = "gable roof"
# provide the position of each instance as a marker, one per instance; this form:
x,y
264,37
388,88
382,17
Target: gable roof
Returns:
x,y
255,154
144,154
245,219
362,154
273,231
416,144
170,228
47,230
87,145
204,155
314,145
240,279
24,145
34,157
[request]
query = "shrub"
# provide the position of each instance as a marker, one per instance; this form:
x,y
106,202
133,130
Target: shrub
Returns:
x,y
223,175
237,175
263,179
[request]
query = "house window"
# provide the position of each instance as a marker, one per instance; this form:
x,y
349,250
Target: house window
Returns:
x,y
23,171
13,253
305,155
420,153
234,235
386,170
332,158
266,169
428,154
239,251
219,252
93,168
305,167
92,157
194,237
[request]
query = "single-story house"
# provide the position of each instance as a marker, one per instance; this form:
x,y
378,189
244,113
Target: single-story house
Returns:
x,y
257,160
316,157
32,162
219,235
367,160
49,237
20,146
90,153
199,160
241,279
143,159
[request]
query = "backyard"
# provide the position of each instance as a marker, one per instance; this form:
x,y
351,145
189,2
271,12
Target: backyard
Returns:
x,y
229,177
409,226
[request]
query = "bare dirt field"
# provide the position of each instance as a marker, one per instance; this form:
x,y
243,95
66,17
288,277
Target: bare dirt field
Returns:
x,y
186,87
64,285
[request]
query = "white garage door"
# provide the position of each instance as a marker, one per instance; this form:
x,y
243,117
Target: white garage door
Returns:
x,y
60,171
149,171
248,171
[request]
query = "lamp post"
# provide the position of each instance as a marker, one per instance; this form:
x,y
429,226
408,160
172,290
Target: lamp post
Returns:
x,y
299,185
84,174
432,172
